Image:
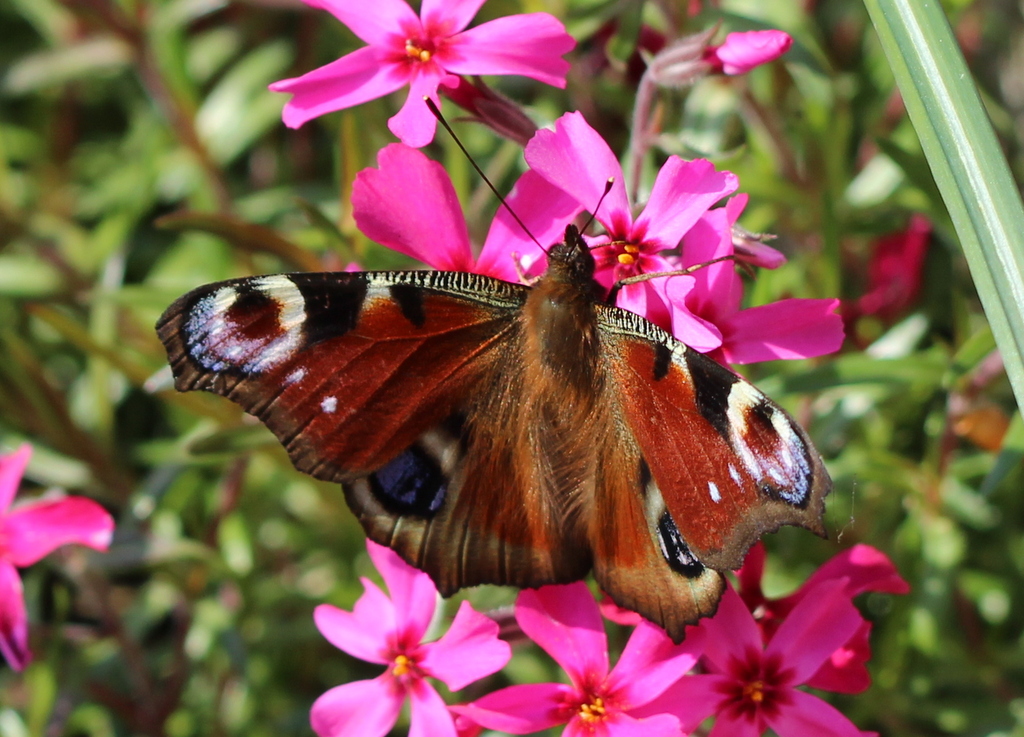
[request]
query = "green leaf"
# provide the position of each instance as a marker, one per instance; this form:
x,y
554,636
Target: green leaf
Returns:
x,y
966,161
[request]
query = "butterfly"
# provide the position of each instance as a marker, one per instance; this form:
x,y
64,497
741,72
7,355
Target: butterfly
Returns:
x,y
492,432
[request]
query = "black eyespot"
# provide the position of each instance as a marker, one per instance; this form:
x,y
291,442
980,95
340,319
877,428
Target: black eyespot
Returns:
x,y
675,550
412,483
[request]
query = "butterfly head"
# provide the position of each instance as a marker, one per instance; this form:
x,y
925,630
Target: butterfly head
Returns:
x,y
571,260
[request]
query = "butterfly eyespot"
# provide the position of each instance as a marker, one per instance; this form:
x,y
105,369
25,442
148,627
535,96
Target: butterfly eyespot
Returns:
x,y
249,328
675,550
412,483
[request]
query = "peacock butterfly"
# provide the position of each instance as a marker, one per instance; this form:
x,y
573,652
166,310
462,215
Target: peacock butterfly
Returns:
x,y
491,432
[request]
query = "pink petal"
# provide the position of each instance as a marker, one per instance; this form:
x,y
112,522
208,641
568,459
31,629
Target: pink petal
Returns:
x,y
845,670
683,191
520,709
865,569
787,329
351,80
12,468
717,291
614,613
735,723
359,633
447,17
577,160
620,724
531,45
409,204
358,709
412,592
741,52
698,333
544,209
808,716
13,620
651,662
751,573
430,715
731,635
414,124
375,23
566,623
822,622
692,699
468,651
38,528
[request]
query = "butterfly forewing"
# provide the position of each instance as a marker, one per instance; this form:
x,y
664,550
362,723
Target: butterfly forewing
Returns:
x,y
347,369
731,464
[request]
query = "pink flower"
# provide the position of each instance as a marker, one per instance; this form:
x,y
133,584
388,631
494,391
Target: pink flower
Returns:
x,y
577,160
430,227
741,52
424,52
27,534
787,329
862,568
566,623
389,632
751,687
895,271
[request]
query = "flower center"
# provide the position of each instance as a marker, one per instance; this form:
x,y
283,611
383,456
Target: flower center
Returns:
x,y
628,255
754,691
401,666
417,50
593,710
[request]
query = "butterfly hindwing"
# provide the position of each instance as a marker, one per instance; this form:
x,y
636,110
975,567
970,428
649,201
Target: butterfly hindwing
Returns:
x,y
730,464
640,559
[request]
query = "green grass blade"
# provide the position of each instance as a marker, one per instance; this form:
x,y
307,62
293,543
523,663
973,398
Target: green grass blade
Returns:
x,y
966,161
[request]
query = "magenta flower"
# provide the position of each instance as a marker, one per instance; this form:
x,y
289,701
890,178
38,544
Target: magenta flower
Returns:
x,y
751,687
863,568
389,632
430,227
28,533
741,52
577,160
423,52
566,623
787,329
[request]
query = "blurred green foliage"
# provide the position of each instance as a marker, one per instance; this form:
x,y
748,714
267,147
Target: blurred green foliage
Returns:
x,y
141,155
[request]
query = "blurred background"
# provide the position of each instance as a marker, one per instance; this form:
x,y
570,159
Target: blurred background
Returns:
x,y
141,155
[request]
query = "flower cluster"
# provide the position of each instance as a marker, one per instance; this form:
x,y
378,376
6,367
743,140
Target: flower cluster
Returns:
x,y
672,259
28,533
749,661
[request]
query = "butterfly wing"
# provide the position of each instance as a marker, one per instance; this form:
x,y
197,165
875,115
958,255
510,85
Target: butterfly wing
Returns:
x,y
730,464
640,558
395,384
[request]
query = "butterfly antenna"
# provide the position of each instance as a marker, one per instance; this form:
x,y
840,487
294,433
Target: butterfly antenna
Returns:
x,y
440,118
607,188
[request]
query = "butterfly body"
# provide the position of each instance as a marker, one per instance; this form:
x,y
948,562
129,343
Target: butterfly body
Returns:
x,y
494,433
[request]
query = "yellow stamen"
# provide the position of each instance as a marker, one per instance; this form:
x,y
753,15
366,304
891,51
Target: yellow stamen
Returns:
x,y
631,248
415,52
754,691
402,665
625,259
594,711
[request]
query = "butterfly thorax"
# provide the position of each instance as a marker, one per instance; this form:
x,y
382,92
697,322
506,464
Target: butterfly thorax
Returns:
x,y
561,320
